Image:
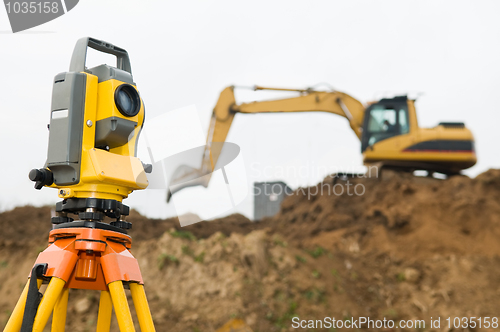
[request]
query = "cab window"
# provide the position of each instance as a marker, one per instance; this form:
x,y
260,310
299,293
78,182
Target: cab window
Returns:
x,y
385,121
403,121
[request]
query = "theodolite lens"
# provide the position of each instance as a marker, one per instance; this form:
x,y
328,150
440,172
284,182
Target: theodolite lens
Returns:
x,y
127,100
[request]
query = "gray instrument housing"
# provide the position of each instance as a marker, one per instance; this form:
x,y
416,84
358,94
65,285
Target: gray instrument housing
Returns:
x,y
66,132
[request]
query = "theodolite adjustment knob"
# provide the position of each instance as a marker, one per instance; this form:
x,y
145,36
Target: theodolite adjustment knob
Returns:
x,y
41,177
148,168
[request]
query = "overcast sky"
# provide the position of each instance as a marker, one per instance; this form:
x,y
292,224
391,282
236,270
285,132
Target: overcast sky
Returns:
x,y
185,52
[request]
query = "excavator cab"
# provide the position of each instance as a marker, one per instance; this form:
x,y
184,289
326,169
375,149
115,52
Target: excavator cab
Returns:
x,y
392,138
385,119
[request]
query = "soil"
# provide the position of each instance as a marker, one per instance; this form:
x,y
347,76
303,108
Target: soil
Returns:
x,y
408,248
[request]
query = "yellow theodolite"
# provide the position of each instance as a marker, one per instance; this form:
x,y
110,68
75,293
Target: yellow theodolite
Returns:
x,y
96,117
95,120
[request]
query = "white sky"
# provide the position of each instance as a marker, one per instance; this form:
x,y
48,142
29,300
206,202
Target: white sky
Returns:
x,y
185,52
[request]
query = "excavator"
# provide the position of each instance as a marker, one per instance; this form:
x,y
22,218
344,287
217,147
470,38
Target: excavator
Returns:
x,y
388,130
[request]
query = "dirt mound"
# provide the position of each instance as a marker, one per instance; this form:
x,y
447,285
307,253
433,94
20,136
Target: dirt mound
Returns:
x,y
144,228
25,224
407,248
402,215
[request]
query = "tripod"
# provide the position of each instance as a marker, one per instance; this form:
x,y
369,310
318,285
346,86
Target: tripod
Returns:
x,y
84,254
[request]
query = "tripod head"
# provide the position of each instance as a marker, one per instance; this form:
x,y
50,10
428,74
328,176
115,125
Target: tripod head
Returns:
x,y
96,117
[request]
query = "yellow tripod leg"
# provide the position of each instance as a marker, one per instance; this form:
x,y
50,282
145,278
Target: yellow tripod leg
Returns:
x,y
105,311
49,299
120,304
16,318
60,310
142,307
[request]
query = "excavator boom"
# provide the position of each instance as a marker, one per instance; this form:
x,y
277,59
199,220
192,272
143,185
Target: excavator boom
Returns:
x,y
310,101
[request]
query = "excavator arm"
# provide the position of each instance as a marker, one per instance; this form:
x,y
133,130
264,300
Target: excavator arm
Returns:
x,y
310,101
226,108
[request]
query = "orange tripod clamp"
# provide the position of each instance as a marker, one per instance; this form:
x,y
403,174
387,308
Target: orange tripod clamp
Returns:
x,y
90,258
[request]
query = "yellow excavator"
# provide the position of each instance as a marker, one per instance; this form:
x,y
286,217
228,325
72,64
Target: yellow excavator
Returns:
x,y
388,130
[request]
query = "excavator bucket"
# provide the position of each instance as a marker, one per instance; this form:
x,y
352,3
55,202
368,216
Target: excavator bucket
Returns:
x,y
187,176
235,325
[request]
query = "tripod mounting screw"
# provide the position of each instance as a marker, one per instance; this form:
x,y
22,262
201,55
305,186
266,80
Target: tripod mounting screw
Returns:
x,y
41,177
